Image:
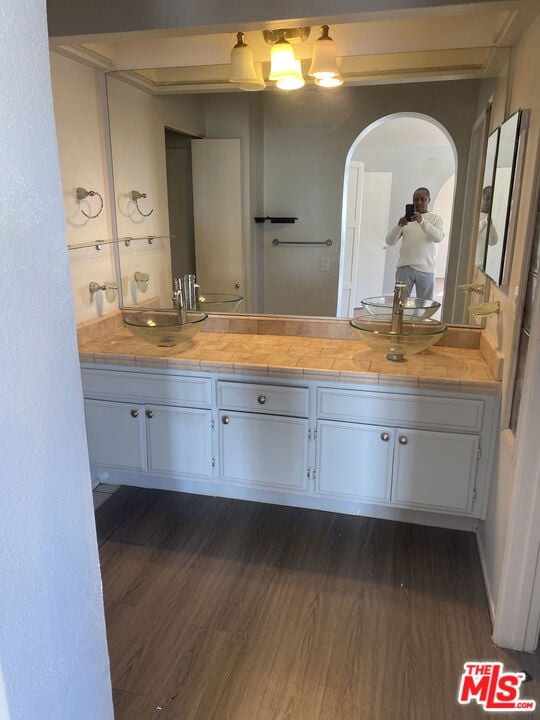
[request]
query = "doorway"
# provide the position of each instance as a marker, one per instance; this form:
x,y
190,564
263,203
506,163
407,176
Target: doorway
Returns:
x,y
180,202
385,164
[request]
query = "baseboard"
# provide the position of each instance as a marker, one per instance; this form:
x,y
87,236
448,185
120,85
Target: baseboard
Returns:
x,y
276,496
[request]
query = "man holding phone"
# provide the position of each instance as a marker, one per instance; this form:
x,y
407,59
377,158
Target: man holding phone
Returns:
x,y
420,231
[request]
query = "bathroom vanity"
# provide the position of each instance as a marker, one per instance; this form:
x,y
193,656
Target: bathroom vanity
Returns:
x,y
401,447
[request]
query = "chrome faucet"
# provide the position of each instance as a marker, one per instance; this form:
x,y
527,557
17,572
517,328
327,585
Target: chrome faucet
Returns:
x,y
400,290
178,299
191,292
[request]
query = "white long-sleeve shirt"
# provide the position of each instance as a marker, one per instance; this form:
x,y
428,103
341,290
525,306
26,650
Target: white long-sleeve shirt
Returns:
x,y
419,242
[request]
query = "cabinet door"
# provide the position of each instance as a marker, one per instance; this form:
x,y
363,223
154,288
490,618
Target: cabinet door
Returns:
x,y
263,450
435,470
116,434
179,441
354,460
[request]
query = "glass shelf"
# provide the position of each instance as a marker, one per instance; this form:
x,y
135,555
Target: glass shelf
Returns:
x,y
98,244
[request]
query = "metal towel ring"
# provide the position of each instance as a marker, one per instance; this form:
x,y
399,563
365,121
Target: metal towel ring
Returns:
x,y
135,196
82,194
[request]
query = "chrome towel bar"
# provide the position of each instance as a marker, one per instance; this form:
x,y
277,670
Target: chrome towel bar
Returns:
x,y
277,242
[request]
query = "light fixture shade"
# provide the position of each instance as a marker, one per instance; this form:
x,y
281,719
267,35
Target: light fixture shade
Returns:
x,y
293,81
258,84
282,60
324,60
242,68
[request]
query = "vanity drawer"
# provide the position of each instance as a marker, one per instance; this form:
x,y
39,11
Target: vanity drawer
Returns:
x,y
272,399
404,410
147,387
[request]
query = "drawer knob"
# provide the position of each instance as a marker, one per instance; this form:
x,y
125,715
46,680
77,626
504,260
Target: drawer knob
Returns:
x,y
403,440
149,413
385,437
225,420
134,413
261,399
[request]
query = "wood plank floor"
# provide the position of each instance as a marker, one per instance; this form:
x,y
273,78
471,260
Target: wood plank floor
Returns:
x,y
222,609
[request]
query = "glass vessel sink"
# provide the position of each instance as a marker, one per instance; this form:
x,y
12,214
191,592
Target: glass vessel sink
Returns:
x,y
162,327
219,302
413,307
415,334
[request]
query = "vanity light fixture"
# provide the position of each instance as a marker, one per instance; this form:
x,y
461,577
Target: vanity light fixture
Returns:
x,y
285,69
82,194
324,60
242,66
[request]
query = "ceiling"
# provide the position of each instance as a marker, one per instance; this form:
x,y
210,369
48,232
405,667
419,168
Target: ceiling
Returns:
x,y
441,44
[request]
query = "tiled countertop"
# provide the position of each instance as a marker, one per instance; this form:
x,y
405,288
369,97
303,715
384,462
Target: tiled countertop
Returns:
x,y
310,358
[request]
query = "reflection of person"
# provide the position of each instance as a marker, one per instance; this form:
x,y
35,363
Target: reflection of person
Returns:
x,y
486,230
420,235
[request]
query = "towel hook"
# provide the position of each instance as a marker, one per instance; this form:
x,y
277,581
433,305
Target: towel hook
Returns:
x,y
82,194
135,196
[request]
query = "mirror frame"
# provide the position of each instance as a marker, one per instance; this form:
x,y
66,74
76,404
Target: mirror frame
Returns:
x,y
511,135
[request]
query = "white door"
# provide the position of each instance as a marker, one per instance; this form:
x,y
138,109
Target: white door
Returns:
x,y
116,434
217,215
354,461
263,450
179,441
350,239
371,247
435,470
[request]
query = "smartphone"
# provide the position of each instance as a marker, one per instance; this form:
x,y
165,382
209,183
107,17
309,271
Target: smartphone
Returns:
x,y
409,210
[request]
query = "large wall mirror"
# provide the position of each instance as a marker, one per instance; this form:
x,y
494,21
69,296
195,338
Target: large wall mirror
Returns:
x,y
290,163
499,244
485,230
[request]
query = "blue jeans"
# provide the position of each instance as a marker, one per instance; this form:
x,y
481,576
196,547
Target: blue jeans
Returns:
x,y
422,280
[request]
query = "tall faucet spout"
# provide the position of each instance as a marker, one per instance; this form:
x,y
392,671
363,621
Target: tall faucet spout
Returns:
x,y
400,290
178,299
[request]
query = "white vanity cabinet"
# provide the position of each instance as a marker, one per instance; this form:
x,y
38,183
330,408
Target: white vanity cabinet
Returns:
x,y
263,435
406,450
160,425
411,454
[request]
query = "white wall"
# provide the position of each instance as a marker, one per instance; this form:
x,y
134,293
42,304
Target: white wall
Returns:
x,y
80,106
137,124
524,94
53,654
80,109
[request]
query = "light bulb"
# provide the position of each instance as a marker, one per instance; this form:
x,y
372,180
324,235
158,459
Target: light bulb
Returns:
x,y
281,59
293,81
329,82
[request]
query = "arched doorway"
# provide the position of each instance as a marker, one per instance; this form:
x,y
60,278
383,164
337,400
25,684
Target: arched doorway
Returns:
x,y
386,162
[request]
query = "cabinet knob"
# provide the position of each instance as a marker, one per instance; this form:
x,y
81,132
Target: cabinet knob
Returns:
x,y
225,420
261,399
237,286
385,437
134,413
149,413
403,440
